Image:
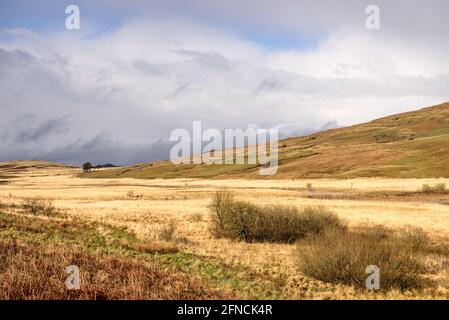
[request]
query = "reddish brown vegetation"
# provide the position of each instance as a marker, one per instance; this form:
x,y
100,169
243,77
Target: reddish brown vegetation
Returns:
x,y
31,271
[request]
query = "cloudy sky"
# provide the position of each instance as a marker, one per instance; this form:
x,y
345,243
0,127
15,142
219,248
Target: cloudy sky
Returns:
x,y
115,89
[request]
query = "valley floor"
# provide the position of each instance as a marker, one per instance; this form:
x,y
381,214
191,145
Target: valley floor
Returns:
x,y
257,270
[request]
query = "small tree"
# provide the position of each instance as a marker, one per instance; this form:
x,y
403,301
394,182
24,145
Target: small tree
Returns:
x,y
87,167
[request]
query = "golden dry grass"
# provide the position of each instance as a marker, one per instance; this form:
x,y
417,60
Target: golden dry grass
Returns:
x,y
160,201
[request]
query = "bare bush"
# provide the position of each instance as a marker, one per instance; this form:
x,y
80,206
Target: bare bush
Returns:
x,y
168,231
220,209
38,206
341,256
440,188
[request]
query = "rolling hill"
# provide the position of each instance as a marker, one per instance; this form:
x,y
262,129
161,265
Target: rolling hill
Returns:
x,y
9,169
407,145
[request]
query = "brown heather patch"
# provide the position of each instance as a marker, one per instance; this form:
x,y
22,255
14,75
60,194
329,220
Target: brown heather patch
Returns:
x,y
32,271
424,126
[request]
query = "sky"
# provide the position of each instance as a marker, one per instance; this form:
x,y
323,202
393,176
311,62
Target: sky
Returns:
x,y
114,90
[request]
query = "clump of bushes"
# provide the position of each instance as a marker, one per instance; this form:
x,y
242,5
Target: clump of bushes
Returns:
x,y
342,256
38,206
437,188
240,220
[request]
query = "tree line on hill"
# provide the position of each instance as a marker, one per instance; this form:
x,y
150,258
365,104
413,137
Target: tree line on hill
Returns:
x,y
87,167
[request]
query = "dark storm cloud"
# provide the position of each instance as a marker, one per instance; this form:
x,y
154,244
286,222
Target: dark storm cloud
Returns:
x,y
32,133
102,150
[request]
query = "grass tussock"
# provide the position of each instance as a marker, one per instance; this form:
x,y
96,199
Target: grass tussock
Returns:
x,y
244,221
342,256
169,233
35,271
196,217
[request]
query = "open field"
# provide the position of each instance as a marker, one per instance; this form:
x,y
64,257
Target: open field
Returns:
x,y
133,217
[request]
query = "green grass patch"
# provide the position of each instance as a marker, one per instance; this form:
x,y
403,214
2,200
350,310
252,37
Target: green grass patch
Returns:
x,y
239,279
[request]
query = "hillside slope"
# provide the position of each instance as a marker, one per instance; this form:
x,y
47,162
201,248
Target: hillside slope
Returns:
x,y
29,165
413,144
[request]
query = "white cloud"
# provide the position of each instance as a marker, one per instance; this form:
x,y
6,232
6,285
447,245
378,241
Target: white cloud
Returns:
x,y
134,85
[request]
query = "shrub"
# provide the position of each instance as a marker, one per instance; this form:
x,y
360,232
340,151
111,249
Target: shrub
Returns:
x,y
438,188
341,256
239,220
415,238
168,231
309,187
426,188
220,209
38,206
